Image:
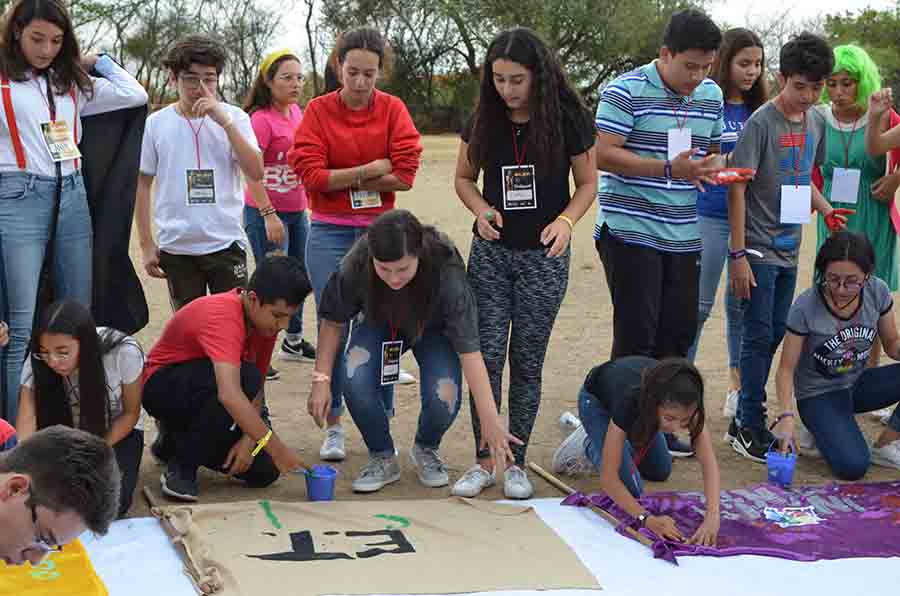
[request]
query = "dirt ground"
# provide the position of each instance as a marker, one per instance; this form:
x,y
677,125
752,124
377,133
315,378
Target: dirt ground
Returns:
x,y
581,339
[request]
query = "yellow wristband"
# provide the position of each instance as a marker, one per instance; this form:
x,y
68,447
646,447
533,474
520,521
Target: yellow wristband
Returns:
x,y
568,220
261,444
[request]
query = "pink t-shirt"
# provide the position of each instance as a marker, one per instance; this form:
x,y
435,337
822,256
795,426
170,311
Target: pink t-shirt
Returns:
x,y
275,134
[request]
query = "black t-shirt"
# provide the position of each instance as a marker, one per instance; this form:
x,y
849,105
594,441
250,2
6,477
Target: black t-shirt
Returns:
x,y
522,228
454,311
617,386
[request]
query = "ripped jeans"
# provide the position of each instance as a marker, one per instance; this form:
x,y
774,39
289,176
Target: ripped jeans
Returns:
x,y
440,386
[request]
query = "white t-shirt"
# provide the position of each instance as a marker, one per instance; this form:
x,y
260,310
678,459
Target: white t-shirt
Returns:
x,y
123,364
115,91
169,150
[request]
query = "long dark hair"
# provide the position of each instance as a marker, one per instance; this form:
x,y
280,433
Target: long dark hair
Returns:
x,y
845,246
672,381
65,71
733,41
551,98
395,234
260,94
70,317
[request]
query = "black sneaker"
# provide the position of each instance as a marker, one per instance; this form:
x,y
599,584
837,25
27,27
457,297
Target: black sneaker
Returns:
x,y
162,448
297,352
752,443
179,482
732,432
273,375
677,447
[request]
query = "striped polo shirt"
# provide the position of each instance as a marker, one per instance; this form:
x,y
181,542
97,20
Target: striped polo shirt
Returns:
x,y
652,211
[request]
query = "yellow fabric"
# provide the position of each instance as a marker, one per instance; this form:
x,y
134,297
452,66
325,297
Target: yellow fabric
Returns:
x,y
66,573
269,60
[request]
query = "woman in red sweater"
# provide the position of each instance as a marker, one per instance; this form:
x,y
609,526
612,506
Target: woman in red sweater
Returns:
x,y
355,148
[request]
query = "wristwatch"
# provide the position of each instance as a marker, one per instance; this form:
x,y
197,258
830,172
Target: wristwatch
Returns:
x,y
642,518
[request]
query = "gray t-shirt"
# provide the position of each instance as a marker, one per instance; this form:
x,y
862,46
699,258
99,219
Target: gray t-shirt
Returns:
x,y
835,350
770,144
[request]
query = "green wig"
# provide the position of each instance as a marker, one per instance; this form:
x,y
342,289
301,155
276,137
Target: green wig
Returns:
x,y
861,68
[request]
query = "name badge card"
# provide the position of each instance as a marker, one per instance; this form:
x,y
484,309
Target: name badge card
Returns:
x,y
60,141
845,185
364,199
679,142
796,204
519,190
390,361
201,187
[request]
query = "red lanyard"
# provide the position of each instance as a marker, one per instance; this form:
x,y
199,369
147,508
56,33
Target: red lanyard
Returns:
x,y
519,157
196,135
846,140
680,123
795,154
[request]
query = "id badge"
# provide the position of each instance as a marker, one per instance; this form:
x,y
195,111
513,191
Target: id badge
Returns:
x,y
679,142
845,185
365,199
796,204
201,187
60,141
390,361
519,190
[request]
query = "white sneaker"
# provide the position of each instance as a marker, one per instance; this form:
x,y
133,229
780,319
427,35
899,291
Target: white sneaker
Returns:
x,y
806,442
888,456
570,458
406,378
731,403
375,475
333,446
475,480
516,484
429,466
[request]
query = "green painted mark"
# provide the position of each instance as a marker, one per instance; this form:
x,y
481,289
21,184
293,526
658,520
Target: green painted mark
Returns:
x,y
267,507
404,523
45,571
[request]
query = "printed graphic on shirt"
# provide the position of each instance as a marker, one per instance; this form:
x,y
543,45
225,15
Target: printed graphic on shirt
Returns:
x,y
280,178
845,351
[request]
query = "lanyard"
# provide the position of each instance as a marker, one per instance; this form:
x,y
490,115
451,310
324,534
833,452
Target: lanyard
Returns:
x,y
520,157
13,126
196,135
846,140
676,102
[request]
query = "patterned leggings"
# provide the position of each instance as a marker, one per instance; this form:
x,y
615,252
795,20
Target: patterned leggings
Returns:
x,y
521,290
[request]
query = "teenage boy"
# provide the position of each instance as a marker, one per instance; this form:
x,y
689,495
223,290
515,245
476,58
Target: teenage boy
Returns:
x,y
55,485
204,381
658,127
196,150
783,141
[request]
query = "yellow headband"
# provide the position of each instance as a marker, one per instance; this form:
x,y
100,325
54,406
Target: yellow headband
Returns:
x,y
270,60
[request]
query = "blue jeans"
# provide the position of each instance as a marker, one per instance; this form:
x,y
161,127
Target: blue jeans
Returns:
x,y
26,212
830,418
656,465
765,315
296,228
715,233
326,245
440,386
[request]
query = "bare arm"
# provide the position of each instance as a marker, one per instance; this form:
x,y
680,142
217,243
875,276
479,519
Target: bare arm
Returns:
x,y
712,483
612,485
887,331
879,138
26,419
249,158
359,176
131,412
142,210
328,345
611,157
584,173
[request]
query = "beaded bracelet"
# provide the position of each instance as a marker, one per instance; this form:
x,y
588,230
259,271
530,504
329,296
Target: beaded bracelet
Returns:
x,y
267,211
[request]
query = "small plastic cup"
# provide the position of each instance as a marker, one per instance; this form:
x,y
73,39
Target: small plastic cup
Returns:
x,y
320,483
781,465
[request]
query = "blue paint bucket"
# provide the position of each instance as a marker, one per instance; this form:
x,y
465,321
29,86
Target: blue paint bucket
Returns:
x,y
320,483
781,465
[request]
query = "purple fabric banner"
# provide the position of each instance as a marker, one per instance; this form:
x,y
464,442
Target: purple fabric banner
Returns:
x,y
856,520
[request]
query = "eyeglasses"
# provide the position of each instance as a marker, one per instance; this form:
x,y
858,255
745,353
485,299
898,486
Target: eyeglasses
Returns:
x,y
289,78
851,284
48,357
193,81
40,542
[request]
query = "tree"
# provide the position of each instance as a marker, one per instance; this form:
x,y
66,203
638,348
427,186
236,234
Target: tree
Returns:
x,y
875,30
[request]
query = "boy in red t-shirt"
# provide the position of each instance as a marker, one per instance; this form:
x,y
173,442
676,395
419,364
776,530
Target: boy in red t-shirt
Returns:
x,y
204,381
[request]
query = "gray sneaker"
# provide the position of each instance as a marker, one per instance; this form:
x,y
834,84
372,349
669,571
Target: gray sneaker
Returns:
x,y
570,458
375,475
429,466
475,480
516,484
